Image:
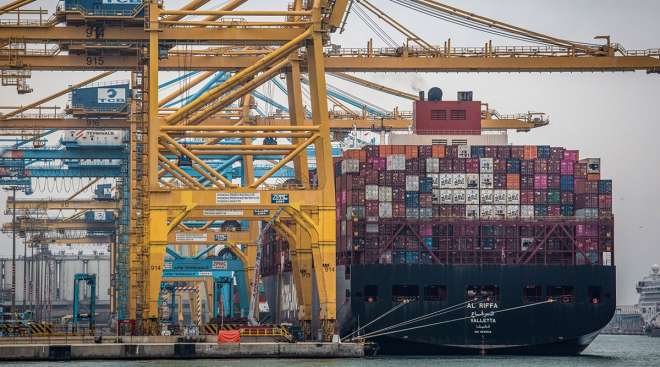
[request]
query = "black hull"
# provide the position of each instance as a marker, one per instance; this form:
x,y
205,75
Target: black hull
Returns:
x,y
545,329
393,346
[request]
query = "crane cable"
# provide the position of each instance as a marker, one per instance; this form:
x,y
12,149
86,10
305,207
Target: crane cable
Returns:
x,y
416,6
369,22
440,312
373,335
378,318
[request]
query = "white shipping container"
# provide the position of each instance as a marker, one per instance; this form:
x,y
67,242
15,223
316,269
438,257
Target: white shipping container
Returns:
x,y
436,196
527,211
412,183
95,137
464,151
446,181
499,197
412,212
372,228
526,243
396,162
350,166
385,209
513,197
472,197
486,211
486,197
459,181
512,211
446,196
436,179
432,165
587,213
486,181
486,165
342,228
607,258
472,180
499,211
384,193
371,192
459,196
472,211
426,213
593,165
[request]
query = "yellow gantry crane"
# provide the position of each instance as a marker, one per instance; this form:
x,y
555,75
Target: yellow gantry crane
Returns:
x,y
256,45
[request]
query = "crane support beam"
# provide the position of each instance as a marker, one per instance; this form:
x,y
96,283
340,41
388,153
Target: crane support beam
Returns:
x,y
375,86
14,5
51,204
138,34
362,64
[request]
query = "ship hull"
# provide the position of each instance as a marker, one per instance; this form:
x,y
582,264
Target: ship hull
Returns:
x,y
508,323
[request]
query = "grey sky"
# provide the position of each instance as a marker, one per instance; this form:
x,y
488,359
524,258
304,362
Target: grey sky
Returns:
x,y
612,116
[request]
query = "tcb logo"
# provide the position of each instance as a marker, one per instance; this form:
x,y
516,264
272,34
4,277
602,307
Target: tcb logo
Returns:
x,y
111,95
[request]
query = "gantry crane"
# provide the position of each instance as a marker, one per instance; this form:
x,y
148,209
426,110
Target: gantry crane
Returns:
x,y
154,39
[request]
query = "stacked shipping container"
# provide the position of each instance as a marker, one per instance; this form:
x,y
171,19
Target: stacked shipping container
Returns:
x,y
409,204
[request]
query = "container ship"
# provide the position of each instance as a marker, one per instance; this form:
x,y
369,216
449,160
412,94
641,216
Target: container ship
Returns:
x,y
450,241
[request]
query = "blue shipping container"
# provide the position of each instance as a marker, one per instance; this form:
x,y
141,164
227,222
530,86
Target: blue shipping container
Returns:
x,y
426,184
412,199
478,151
540,210
106,7
543,151
567,183
106,98
605,186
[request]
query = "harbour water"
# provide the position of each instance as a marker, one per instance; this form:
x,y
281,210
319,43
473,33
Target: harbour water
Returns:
x,y
605,351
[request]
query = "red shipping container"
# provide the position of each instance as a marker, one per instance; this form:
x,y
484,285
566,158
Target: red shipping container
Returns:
x,y
540,181
540,197
445,210
398,149
504,152
458,211
513,181
425,151
554,166
567,167
580,170
398,209
529,152
499,165
586,230
371,177
425,200
399,194
518,152
499,181
527,167
438,150
490,151
554,210
526,197
571,155
458,165
556,153
540,166
472,165
527,182
554,182
592,187
412,166
580,186
605,201
583,201
446,165
371,209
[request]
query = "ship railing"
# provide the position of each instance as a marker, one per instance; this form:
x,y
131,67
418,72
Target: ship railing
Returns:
x,y
440,51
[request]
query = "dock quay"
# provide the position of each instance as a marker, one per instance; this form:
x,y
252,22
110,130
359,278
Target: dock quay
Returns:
x,y
167,348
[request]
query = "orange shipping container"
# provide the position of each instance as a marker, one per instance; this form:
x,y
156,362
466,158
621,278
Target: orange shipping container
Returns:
x,y
411,151
438,150
593,177
384,150
513,181
529,152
